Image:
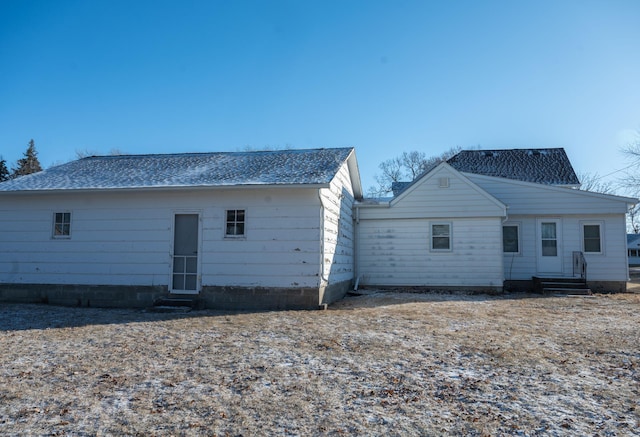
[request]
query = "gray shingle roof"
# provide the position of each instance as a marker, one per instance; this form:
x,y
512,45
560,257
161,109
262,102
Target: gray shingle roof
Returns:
x,y
543,166
282,167
631,238
399,187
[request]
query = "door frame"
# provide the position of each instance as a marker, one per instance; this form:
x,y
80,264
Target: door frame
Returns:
x,y
544,265
199,255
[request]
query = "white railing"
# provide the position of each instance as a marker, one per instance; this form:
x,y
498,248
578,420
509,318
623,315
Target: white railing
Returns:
x,y
579,265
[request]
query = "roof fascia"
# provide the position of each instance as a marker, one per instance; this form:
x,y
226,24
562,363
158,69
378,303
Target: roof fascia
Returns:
x,y
372,204
160,189
563,189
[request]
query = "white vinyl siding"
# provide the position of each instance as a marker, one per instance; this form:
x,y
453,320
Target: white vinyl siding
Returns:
x,y
612,267
126,238
338,233
426,198
535,199
396,253
395,243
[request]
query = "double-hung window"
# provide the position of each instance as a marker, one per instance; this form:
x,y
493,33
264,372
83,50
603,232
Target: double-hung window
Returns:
x,y
441,236
62,225
592,237
510,239
235,223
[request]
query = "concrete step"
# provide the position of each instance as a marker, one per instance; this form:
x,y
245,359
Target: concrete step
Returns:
x,y
191,302
567,284
169,309
568,291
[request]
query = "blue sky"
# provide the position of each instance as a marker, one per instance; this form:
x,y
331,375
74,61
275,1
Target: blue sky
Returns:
x,y
382,76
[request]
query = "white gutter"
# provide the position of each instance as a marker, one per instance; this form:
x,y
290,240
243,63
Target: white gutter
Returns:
x,y
322,270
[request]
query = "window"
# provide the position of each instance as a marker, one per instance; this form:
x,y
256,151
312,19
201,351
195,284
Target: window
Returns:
x,y
510,240
549,239
441,236
235,223
61,224
591,238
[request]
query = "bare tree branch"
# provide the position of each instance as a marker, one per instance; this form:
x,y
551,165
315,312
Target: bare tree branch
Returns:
x,y
592,182
406,167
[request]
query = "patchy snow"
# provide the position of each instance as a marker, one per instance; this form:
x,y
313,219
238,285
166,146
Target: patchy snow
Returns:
x,y
281,167
383,363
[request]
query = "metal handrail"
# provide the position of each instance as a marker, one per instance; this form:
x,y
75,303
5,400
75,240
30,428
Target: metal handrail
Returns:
x,y
579,265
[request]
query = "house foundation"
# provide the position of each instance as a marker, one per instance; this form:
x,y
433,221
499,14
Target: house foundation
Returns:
x,y
210,297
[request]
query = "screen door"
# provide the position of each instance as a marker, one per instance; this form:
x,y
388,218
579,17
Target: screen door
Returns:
x,y
185,253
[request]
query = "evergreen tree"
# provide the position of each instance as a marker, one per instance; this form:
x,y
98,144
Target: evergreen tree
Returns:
x,y
29,164
4,171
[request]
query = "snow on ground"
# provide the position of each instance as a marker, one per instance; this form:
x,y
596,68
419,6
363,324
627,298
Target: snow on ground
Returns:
x,y
382,364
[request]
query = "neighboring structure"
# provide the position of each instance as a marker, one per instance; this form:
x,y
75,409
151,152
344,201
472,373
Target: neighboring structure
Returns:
x,y
633,249
289,229
492,218
262,230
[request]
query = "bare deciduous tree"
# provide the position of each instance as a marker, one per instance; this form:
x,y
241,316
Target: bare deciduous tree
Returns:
x,y
406,167
592,182
631,179
633,218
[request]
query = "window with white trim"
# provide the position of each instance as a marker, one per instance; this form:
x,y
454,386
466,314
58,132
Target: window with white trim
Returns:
x,y
235,223
511,239
591,238
61,225
441,236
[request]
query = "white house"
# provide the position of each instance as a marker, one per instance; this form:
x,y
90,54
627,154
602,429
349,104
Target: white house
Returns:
x,y
290,229
239,230
493,219
633,249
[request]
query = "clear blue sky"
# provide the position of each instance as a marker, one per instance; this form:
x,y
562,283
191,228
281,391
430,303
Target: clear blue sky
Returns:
x,y
385,77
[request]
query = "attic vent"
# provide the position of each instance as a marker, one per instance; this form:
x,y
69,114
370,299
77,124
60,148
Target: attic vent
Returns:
x,y
443,182
489,154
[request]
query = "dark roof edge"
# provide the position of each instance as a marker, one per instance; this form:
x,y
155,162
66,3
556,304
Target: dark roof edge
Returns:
x,y
159,188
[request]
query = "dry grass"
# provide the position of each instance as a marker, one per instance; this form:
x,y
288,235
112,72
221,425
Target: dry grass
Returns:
x,y
387,363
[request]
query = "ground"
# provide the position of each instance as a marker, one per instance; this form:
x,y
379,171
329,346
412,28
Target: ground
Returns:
x,y
379,364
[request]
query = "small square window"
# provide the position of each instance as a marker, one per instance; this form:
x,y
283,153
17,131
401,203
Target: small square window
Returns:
x,y
235,223
441,236
61,224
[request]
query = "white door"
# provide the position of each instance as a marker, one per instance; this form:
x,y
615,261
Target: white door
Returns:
x,y
184,278
549,246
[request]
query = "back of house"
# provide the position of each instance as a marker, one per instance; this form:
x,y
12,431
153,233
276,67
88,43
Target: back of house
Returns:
x,y
290,229
488,219
245,230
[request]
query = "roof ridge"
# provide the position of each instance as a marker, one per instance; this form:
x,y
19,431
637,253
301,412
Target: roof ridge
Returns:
x,y
234,152
511,149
